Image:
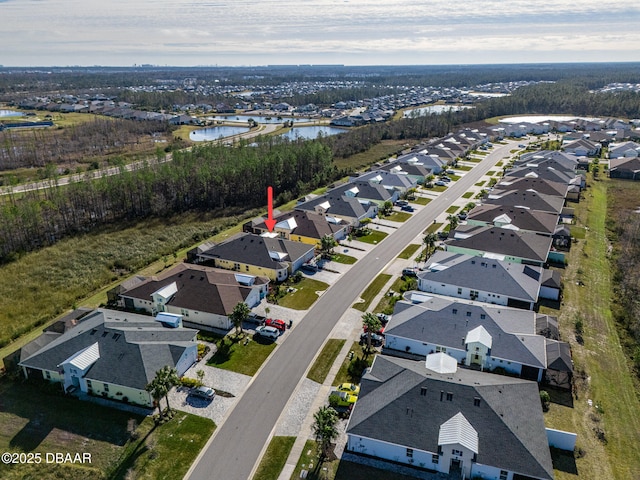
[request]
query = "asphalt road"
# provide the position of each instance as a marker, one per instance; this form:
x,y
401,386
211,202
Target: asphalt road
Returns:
x,y
236,445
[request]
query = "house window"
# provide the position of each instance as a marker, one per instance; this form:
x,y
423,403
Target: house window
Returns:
x,y
455,311
449,396
476,402
504,475
423,391
434,458
89,386
184,312
482,316
47,374
409,452
459,291
468,314
456,452
106,387
441,349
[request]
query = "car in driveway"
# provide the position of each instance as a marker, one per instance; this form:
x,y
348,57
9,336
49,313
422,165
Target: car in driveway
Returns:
x,y
276,323
203,392
376,339
440,183
407,208
268,332
344,399
409,272
351,388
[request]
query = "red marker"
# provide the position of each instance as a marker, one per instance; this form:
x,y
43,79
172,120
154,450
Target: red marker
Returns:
x,y
270,222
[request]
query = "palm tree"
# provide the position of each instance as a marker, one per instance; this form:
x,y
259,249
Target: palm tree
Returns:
x,y
372,324
155,389
327,242
453,222
167,377
429,241
324,428
239,314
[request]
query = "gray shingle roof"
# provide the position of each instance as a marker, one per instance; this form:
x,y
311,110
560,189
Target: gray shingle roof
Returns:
x,y
540,185
523,218
308,224
525,198
501,241
340,205
508,419
513,280
132,347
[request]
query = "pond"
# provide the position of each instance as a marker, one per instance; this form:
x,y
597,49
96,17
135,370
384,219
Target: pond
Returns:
x,y
310,133
418,112
215,133
10,113
258,118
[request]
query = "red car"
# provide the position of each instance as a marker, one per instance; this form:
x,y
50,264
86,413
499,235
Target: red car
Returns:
x,y
277,323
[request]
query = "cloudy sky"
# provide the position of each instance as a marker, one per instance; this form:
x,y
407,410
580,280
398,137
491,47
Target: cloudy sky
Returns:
x,y
351,32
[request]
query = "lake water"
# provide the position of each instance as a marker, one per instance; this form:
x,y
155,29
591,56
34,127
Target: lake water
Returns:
x,y
258,118
215,133
433,109
310,133
10,113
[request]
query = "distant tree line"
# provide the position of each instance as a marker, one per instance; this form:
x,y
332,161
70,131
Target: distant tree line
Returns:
x,y
204,178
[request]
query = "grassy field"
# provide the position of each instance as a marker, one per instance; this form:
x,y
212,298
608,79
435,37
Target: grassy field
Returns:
x,y
371,291
437,188
421,200
374,236
241,356
381,151
409,251
602,370
305,294
40,419
342,258
398,217
467,195
351,369
275,458
323,363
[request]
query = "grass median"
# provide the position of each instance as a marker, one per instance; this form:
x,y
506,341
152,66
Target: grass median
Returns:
x,y
371,291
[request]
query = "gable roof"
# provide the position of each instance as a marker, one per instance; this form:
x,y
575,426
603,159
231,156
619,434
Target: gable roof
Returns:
x,y
526,199
335,204
540,185
458,430
200,288
508,419
304,223
514,280
555,175
130,348
494,241
523,218
272,253
365,190
396,179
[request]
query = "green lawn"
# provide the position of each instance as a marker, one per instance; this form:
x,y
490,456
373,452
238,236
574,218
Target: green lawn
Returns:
x,y
351,369
480,183
398,217
454,177
500,163
438,188
491,173
467,195
433,228
380,151
421,200
409,251
309,462
371,291
465,168
274,458
342,258
399,286
234,355
305,294
37,418
453,209
374,236
578,232
323,363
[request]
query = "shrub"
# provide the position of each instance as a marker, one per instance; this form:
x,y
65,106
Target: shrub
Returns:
x,y
545,399
189,382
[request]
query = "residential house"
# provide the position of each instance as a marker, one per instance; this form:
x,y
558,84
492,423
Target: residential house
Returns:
x,y
582,148
416,172
114,354
519,218
500,243
264,256
471,424
348,208
435,162
547,173
526,199
625,167
624,150
367,192
301,226
487,337
394,180
204,296
486,280
547,187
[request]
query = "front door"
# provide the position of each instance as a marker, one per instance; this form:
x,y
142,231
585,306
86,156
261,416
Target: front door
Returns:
x,y
455,468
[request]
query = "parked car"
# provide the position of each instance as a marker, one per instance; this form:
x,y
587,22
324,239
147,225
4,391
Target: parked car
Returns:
x,y
376,339
440,183
351,388
409,272
522,145
462,216
444,178
203,392
451,172
267,332
383,317
255,318
407,208
401,203
276,323
344,399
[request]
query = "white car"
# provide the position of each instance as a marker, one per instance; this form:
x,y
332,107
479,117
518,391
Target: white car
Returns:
x,y
267,332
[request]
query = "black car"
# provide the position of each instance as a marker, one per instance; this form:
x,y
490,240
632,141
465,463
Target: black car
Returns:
x,y
376,340
409,272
